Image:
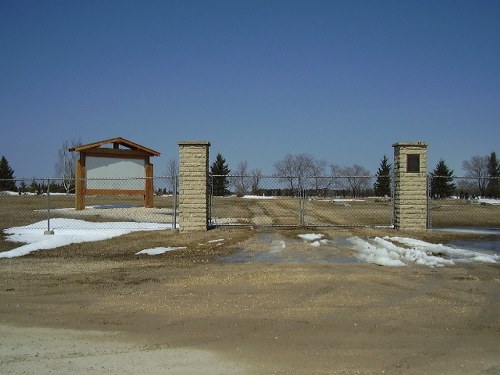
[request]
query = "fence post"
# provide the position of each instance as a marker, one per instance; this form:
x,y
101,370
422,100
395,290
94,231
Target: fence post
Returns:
x,y
429,202
302,205
175,201
193,185
410,181
210,199
149,187
80,183
48,231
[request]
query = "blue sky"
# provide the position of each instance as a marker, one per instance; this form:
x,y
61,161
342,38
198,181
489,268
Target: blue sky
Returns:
x,y
340,80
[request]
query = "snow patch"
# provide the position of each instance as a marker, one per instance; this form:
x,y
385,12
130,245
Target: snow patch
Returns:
x,y
258,197
486,201
219,240
36,240
311,236
401,251
158,250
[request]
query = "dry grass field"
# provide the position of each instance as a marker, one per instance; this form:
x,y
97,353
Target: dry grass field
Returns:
x,y
462,213
362,212
289,211
280,211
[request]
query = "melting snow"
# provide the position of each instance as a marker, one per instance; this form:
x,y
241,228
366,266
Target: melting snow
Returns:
x,y
311,236
158,250
400,251
68,231
389,251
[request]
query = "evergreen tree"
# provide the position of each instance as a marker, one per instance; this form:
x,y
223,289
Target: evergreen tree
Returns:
x,y
493,187
442,184
220,170
6,176
382,186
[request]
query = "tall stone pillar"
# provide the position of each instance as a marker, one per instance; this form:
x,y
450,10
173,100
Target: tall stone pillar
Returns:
x,y
193,185
410,181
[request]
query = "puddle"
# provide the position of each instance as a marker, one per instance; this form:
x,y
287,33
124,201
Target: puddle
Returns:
x,y
491,243
481,245
274,248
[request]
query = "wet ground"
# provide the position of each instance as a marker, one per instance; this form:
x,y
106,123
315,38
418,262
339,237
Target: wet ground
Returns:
x,y
273,247
316,248
328,314
490,242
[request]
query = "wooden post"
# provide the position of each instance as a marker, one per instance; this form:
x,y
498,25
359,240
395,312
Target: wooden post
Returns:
x,y
80,183
148,198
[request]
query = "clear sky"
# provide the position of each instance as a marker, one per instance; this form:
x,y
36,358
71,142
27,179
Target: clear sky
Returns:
x,y
340,80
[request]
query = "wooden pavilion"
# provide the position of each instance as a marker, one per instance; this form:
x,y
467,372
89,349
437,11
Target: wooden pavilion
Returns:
x,y
114,166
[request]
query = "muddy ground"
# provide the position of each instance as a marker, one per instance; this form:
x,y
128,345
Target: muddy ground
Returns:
x,y
212,316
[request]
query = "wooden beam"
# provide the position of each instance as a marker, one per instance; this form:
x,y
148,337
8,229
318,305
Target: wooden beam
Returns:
x,y
114,192
116,153
80,184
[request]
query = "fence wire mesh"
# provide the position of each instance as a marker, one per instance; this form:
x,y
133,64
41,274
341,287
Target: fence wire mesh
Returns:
x,y
248,200
461,202
298,201
38,201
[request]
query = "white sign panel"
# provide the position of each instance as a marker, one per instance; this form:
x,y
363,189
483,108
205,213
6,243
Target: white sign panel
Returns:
x,y
114,173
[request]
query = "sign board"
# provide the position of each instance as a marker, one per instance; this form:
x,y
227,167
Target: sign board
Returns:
x,y
104,173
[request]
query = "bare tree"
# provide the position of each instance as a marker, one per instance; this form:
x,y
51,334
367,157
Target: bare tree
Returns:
x,y
295,168
477,168
466,186
66,164
357,178
338,183
304,165
241,180
172,173
319,181
285,169
256,176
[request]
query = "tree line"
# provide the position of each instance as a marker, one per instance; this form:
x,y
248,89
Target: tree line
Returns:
x,y
482,178
302,172
299,172
35,186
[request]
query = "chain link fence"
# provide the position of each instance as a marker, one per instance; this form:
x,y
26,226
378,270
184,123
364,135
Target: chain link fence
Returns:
x,y
38,202
298,201
248,200
463,202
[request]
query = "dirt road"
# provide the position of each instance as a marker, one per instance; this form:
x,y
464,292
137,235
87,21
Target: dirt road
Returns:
x,y
107,307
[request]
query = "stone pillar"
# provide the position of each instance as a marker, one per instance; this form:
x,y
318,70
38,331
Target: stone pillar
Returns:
x,y
410,182
193,185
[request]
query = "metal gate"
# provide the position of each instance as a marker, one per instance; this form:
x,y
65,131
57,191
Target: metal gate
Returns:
x,y
297,202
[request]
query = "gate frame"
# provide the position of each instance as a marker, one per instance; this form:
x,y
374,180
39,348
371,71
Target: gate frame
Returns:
x,y
410,201
301,197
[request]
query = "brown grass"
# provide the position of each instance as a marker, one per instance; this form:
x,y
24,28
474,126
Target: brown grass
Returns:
x,y
23,210
461,213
